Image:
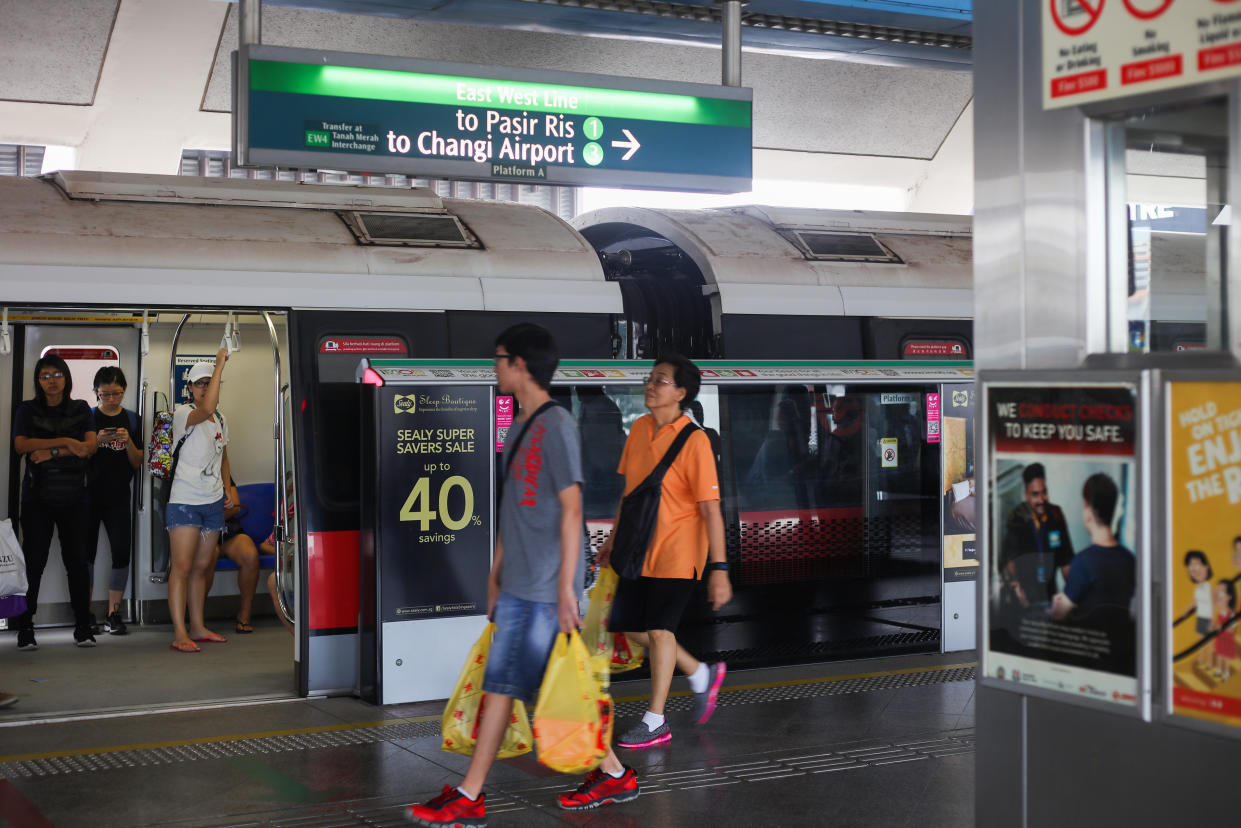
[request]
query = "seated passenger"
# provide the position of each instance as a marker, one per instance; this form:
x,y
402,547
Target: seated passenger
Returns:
x,y
239,548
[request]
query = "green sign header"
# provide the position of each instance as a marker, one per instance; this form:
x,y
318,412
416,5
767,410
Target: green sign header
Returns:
x,y
303,108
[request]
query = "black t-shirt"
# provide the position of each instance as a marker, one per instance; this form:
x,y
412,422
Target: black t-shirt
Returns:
x,y
111,472
72,418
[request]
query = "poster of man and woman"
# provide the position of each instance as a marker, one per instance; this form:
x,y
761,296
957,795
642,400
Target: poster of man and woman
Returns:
x,y
1062,600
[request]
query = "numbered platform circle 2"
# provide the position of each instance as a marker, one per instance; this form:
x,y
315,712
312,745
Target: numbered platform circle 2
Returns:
x,y
592,128
592,154
434,496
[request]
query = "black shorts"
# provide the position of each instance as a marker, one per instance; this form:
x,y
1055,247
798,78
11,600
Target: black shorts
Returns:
x,y
650,604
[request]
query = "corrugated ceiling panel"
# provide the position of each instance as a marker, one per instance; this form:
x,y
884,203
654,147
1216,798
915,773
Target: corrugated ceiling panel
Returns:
x,y
51,51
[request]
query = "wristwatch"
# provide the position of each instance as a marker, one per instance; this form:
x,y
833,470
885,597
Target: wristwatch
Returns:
x,y
721,566
55,451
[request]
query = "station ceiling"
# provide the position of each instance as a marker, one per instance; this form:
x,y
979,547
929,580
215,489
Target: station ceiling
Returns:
x,y
898,31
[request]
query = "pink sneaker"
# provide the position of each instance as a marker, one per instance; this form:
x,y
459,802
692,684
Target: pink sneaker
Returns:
x,y
704,702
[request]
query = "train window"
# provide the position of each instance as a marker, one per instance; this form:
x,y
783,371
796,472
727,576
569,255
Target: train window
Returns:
x,y
410,229
1175,175
604,415
831,481
842,247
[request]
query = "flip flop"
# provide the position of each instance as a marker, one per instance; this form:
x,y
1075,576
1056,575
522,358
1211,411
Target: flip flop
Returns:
x,y
184,647
244,627
215,638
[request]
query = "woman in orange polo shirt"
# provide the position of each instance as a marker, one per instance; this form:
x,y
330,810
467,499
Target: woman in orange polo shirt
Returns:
x,y
688,540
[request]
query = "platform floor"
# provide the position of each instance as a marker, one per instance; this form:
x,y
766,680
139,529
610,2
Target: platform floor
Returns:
x,y
884,742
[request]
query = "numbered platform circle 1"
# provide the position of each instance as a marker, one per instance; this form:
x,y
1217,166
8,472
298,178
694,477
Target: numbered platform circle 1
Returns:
x,y
592,154
592,128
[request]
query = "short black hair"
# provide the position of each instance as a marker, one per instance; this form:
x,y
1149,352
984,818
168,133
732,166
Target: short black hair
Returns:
x,y
1202,556
54,362
536,345
1236,540
1033,472
110,375
1101,494
684,373
1231,589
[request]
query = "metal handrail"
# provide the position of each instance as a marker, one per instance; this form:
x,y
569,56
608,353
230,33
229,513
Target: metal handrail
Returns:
x,y
281,527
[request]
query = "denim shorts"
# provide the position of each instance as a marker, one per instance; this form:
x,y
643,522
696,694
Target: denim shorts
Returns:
x,y
208,517
525,634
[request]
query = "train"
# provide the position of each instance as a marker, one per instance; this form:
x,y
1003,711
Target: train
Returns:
x,y
309,279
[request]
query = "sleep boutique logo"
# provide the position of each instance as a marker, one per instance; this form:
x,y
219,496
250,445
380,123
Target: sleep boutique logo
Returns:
x,y
404,403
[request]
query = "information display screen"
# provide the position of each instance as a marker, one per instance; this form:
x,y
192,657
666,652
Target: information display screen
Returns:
x,y
433,545
366,113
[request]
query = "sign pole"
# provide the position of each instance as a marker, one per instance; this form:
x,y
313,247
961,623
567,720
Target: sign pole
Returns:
x,y
730,56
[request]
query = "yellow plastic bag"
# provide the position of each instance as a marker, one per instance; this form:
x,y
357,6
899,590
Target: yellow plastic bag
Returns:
x,y
595,625
626,655
464,710
573,718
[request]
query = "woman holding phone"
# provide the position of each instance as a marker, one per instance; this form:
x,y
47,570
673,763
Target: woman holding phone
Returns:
x,y
112,472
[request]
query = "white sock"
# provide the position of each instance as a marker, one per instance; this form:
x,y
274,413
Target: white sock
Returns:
x,y
700,678
616,775
652,720
466,795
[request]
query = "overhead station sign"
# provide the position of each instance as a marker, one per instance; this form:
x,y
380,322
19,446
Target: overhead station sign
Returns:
x,y
1096,50
367,113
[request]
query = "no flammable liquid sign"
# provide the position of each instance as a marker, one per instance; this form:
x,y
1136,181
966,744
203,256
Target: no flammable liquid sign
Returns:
x,y
1096,50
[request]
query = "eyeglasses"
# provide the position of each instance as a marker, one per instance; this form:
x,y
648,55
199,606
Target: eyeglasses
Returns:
x,y
202,383
510,357
52,376
109,395
651,379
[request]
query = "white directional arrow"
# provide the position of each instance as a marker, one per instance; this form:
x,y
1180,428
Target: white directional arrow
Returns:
x,y
632,145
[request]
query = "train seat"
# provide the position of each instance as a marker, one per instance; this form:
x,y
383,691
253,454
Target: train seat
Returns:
x,y
259,500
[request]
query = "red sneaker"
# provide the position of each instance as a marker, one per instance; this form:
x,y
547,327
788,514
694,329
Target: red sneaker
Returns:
x,y
451,809
600,789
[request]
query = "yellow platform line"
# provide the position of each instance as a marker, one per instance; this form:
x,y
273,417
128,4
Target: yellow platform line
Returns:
x,y
300,731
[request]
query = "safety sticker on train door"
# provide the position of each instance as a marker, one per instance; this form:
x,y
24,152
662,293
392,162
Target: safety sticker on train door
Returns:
x,y
887,452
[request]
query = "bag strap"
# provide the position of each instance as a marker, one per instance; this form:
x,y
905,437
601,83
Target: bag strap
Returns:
x,y
656,476
508,462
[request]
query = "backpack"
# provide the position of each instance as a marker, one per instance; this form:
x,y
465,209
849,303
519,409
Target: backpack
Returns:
x,y
160,453
162,456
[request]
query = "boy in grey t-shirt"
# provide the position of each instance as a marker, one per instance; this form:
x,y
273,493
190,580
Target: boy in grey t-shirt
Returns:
x,y
536,575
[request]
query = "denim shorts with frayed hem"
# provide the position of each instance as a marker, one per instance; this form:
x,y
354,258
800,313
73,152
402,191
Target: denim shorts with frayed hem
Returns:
x,y
525,634
207,517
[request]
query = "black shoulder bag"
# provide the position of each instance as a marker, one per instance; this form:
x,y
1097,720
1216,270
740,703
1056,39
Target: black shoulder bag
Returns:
x,y
639,510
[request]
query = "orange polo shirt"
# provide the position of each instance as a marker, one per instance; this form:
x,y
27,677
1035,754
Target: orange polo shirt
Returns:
x,y
679,546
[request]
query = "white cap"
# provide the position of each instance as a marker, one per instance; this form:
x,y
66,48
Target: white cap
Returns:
x,y
201,370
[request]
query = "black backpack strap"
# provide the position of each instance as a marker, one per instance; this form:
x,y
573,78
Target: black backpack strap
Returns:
x,y
661,468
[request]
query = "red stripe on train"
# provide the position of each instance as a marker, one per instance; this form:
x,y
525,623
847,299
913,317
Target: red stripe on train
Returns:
x,y
333,563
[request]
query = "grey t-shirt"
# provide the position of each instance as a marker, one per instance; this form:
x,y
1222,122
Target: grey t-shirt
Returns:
x,y
548,461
